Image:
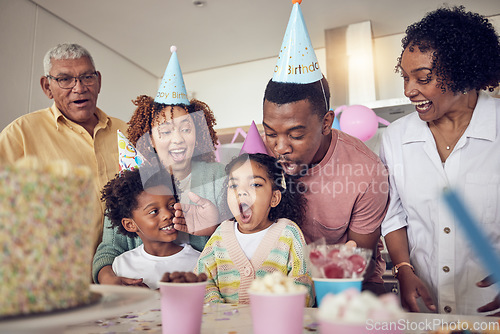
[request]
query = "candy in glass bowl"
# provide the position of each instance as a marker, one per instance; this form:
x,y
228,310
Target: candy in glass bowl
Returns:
x,y
337,261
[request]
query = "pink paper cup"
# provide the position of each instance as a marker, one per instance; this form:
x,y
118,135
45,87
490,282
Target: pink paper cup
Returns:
x,y
277,313
182,307
323,286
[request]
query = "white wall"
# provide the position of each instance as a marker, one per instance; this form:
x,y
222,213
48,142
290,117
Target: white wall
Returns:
x,y
233,92
27,32
386,50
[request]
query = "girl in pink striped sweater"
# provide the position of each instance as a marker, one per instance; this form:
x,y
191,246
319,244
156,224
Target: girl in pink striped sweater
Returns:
x,y
262,237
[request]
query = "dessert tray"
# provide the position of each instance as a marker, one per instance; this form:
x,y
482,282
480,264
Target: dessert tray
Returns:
x,y
107,301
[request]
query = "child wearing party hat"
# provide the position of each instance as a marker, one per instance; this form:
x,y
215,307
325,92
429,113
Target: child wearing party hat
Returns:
x,y
177,135
347,184
262,237
253,142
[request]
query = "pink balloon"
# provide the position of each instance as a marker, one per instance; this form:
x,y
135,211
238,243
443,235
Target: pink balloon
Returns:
x,y
358,121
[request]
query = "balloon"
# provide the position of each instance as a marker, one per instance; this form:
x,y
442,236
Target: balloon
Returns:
x,y
359,121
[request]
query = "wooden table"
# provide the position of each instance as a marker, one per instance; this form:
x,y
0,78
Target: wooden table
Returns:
x,y
137,310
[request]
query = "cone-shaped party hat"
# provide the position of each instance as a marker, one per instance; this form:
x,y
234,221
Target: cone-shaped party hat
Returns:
x,y
253,142
172,89
297,62
129,157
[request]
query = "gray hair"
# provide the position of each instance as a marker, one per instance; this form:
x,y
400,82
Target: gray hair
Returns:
x,y
65,51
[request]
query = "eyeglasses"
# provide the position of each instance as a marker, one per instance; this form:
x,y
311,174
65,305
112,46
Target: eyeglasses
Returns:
x,y
70,82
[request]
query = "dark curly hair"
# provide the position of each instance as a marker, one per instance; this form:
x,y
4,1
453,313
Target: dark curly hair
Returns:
x,y
120,195
292,204
148,113
317,93
465,48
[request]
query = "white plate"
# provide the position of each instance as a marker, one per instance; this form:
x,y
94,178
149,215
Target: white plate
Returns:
x,y
115,300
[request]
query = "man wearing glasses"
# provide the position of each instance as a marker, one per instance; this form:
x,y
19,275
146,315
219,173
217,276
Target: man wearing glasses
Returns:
x,y
73,129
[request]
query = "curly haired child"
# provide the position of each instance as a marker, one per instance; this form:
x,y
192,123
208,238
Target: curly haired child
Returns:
x,y
262,236
179,138
145,209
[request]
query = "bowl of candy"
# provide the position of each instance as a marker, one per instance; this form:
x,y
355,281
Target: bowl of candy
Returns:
x,y
336,268
181,296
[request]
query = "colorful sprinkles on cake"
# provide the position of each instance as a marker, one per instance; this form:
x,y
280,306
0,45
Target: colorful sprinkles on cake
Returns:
x,y
46,244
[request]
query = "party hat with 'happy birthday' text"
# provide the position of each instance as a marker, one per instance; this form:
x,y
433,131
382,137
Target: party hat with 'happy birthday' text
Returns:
x,y
253,142
172,89
297,62
129,157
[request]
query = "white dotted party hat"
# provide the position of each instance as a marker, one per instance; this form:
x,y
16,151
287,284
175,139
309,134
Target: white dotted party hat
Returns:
x,y
172,89
297,62
129,157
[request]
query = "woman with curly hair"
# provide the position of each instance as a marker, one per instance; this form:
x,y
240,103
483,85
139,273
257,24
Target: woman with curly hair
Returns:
x,y
453,140
263,235
181,139
152,118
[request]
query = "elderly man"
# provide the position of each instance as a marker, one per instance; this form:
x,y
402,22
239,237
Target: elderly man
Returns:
x,y
73,128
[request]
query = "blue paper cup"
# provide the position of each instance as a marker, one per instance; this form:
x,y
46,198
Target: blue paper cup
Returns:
x,y
323,286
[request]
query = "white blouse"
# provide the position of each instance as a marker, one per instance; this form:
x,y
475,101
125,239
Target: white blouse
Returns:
x,y
439,252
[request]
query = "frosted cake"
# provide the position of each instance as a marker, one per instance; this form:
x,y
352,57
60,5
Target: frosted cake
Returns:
x,y
45,237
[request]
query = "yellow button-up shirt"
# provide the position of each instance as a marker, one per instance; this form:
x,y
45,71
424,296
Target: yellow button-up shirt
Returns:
x,y
49,135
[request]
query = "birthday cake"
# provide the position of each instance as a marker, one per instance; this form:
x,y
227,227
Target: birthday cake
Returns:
x,y
45,237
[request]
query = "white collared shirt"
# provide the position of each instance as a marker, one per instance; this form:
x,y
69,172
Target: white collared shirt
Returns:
x,y
439,251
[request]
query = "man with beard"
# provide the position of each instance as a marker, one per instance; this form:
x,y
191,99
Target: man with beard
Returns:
x,y
345,183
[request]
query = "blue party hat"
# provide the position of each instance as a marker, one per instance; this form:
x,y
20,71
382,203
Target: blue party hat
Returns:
x,y
172,89
297,62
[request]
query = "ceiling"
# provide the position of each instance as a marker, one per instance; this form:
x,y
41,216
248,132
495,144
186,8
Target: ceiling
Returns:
x,y
225,32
